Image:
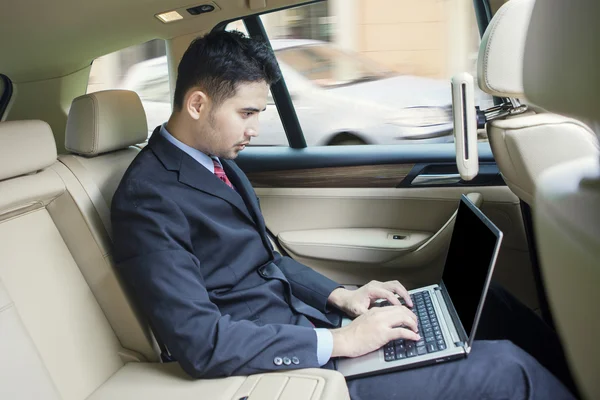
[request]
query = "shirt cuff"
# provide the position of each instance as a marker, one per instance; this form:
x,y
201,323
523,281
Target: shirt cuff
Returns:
x,y
324,345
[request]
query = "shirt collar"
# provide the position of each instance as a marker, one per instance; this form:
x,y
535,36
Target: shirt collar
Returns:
x,y
204,160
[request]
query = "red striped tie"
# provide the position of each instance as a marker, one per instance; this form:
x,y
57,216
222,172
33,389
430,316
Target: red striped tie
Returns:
x,y
221,174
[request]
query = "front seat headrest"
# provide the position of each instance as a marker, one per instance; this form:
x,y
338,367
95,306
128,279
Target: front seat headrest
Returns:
x,y
500,59
562,57
25,147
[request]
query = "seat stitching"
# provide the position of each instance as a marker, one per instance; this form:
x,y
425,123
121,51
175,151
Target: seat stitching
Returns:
x,y
6,307
487,50
96,122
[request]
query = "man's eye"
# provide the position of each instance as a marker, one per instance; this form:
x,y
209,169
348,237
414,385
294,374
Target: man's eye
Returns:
x,y
247,114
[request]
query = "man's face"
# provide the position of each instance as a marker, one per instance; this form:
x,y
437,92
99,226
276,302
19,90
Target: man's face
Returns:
x,y
231,125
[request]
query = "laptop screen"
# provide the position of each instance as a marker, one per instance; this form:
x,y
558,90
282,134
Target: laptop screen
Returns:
x,y
471,254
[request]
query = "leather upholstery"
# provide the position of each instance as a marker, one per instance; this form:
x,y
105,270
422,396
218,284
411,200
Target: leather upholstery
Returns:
x,y
561,74
25,147
90,247
56,307
562,56
91,182
168,381
105,121
57,342
500,60
567,226
22,372
526,145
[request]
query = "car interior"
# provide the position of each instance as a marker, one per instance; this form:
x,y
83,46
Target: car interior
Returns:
x,y
68,327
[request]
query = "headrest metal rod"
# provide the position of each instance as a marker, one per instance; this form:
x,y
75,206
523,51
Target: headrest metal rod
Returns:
x,y
508,107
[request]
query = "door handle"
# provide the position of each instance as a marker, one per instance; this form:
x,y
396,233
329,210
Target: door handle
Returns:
x,y
436,179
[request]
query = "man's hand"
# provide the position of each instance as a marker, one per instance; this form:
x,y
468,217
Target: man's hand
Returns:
x,y
357,302
373,329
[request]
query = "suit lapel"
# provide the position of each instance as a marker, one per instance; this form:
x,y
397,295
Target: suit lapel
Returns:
x,y
192,174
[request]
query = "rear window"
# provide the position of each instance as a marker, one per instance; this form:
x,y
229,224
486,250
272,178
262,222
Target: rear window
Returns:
x,y
142,69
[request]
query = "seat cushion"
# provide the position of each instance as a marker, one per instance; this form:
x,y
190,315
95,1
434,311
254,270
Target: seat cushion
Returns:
x,y
168,381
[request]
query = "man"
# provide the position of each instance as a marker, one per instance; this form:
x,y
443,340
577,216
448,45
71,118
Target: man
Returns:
x,y
191,243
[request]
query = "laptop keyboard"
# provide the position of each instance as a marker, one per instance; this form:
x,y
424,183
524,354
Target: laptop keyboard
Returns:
x,y
432,339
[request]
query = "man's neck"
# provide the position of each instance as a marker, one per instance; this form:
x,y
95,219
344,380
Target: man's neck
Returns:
x,y
175,128
181,131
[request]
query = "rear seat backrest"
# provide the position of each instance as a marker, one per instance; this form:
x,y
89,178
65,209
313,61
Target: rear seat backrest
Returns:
x,y
102,127
22,372
55,342
107,123
45,292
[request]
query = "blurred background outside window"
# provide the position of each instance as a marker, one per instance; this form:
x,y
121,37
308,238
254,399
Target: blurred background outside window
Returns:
x,y
358,71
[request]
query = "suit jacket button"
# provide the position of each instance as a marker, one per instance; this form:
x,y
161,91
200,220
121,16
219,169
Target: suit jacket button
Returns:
x,y
277,361
263,271
287,361
295,360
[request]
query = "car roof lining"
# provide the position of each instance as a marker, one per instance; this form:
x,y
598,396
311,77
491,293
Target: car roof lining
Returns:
x,y
64,36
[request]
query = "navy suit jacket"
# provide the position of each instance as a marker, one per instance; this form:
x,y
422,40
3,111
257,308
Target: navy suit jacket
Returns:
x,y
197,258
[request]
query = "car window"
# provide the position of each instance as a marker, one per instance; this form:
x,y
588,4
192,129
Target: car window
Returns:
x,y
142,69
327,66
371,72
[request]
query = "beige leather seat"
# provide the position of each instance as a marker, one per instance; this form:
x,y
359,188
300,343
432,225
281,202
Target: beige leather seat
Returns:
x,y
108,123
104,131
57,343
101,130
524,145
561,73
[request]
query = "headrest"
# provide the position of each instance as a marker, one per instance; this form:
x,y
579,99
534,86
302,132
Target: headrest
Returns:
x,y
562,57
500,60
25,147
105,121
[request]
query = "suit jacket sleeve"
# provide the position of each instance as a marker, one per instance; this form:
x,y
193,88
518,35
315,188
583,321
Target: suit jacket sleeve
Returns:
x,y
307,284
154,254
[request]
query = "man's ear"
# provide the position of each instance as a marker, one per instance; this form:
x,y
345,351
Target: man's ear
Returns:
x,y
196,103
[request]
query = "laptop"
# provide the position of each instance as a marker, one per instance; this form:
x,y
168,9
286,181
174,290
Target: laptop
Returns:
x,y
448,312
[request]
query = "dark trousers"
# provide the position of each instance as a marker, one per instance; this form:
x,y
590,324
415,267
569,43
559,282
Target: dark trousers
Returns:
x,y
516,356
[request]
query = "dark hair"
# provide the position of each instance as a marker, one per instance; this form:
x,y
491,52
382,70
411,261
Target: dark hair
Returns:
x,y
219,61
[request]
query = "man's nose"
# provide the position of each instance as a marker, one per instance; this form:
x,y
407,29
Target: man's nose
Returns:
x,y
252,131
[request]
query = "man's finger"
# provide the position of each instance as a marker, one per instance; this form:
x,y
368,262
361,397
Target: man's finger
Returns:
x,y
397,316
411,314
399,289
384,293
359,310
403,333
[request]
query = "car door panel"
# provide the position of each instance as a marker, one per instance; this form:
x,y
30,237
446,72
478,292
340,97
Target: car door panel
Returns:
x,y
318,202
